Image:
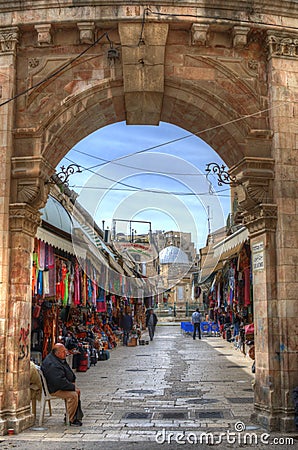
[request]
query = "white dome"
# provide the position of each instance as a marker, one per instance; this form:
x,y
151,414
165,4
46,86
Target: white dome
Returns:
x,y
173,255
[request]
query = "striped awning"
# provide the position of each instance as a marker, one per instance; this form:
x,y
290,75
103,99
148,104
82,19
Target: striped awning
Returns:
x,y
59,242
231,245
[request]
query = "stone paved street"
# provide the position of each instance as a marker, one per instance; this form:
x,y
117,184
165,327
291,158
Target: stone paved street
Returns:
x,y
142,394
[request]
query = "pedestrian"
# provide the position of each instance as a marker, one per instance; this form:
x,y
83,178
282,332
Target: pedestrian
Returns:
x,y
196,321
221,322
151,321
126,323
236,323
61,382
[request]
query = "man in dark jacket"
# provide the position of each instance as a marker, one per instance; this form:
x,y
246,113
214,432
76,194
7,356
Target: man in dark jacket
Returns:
x,y
151,321
61,380
126,324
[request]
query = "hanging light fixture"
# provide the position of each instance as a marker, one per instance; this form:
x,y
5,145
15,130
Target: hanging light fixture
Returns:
x,y
113,54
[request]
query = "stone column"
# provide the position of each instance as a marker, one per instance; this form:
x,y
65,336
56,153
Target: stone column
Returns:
x,y
23,225
261,223
283,82
272,238
8,43
28,194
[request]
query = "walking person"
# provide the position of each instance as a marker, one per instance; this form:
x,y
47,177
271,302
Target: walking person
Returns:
x,y
126,324
61,382
236,323
151,321
196,321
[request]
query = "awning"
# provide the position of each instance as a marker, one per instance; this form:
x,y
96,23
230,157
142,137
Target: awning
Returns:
x,y
206,279
59,242
231,245
56,215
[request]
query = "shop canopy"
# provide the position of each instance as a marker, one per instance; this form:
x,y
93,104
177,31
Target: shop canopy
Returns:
x,y
216,256
59,242
231,245
75,236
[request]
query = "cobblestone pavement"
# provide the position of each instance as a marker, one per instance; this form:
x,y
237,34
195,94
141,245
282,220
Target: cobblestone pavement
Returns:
x,y
175,391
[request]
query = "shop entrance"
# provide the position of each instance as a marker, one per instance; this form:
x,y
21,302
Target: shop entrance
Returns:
x,y
229,82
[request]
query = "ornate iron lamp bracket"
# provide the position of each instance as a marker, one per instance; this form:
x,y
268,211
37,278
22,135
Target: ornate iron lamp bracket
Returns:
x,y
67,171
223,176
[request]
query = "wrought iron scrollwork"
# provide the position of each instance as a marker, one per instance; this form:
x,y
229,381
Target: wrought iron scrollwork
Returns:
x,y
66,172
223,176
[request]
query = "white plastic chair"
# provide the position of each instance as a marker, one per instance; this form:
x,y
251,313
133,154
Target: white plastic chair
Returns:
x,y
47,397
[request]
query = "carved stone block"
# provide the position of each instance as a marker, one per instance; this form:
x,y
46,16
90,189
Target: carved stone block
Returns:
x,y
280,44
240,36
44,36
8,39
143,71
86,32
199,34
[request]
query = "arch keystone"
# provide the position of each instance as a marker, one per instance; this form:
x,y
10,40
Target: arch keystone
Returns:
x,y
143,55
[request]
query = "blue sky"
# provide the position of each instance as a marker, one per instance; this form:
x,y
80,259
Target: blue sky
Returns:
x,y
137,173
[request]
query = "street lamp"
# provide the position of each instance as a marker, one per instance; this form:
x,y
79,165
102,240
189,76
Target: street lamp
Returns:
x,y
186,308
187,302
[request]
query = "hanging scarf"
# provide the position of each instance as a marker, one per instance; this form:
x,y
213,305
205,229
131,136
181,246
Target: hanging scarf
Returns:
x,y
42,252
77,285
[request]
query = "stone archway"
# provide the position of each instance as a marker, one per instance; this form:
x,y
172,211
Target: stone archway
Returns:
x,y
231,78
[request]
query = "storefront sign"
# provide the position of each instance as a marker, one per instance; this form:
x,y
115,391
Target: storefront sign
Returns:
x,y
258,247
258,256
258,261
146,251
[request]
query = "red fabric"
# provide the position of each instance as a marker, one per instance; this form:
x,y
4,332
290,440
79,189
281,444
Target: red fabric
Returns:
x,y
58,290
246,287
77,296
249,329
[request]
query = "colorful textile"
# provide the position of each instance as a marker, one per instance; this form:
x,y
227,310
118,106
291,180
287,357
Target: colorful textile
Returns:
x,y
41,256
46,282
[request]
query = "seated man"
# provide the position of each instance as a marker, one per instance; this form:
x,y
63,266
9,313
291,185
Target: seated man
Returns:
x,y
61,380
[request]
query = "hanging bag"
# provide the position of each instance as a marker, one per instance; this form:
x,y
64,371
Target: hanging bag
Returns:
x,y
79,413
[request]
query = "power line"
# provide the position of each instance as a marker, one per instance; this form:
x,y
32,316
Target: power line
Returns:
x,y
147,11
187,136
106,161
136,188
151,191
56,73
215,20
172,141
